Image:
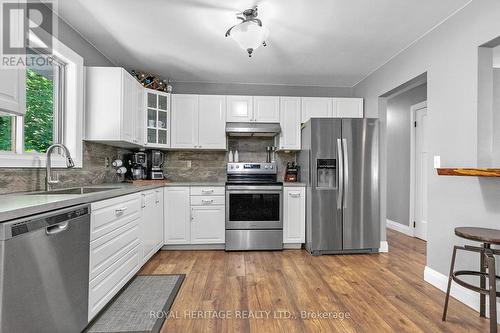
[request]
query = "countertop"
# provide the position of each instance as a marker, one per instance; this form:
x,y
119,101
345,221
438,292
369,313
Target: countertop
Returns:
x,y
295,184
17,205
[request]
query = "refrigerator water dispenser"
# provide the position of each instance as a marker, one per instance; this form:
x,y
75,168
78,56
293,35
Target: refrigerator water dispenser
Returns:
x,y
326,173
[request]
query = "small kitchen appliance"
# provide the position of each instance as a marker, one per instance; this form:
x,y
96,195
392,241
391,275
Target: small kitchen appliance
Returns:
x,y
155,164
137,163
254,207
292,172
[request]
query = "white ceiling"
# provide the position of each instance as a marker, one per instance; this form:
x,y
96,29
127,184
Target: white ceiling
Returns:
x,y
311,42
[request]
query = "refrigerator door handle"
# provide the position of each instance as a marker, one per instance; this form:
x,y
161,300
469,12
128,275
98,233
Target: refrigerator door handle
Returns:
x,y
345,156
340,181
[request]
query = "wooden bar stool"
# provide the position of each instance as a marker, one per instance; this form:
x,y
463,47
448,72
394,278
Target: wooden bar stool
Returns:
x,y
487,270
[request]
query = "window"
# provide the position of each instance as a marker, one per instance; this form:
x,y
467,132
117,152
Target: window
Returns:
x,y
53,114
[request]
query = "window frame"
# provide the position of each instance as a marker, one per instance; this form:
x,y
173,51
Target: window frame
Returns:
x,y
73,120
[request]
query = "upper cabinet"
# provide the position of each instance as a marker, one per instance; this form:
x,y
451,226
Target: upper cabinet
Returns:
x,y
266,109
290,118
157,120
316,107
348,107
114,107
239,108
13,91
198,122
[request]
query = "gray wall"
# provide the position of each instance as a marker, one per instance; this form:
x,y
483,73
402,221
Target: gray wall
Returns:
x,y
398,152
259,90
449,55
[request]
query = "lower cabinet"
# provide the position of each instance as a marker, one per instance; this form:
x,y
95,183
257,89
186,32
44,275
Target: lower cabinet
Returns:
x,y
152,223
124,233
194,215
294,215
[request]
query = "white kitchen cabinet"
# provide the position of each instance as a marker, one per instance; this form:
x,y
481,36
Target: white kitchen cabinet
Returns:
x,y
266,109
316,107
198,121
294,215
156,119
184,121
207,224
348,107
290,119
152,223
212,122
177,217
115,248
113,107
13,91
239,109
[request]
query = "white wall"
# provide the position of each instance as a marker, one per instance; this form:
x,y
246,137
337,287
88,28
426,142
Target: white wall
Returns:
x,y
398,152
449,55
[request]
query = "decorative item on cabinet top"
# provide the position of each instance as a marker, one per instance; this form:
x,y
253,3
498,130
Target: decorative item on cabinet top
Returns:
x,y
152,81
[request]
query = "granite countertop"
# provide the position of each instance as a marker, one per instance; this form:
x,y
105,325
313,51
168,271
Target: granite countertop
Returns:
x,y
17,205
295,184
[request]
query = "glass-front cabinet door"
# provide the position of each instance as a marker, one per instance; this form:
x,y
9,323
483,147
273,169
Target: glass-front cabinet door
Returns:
x,y
157,119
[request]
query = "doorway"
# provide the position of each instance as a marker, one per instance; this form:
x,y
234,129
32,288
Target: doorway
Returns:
x,y
419,170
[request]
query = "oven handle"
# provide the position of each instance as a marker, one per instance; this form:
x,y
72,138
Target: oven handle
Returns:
x,y
254,189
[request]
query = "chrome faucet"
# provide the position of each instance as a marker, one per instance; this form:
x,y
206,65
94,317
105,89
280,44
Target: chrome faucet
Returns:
x,y
48,163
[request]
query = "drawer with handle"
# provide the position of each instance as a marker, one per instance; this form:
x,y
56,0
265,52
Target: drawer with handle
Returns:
x,y
216,200
108,215
208,190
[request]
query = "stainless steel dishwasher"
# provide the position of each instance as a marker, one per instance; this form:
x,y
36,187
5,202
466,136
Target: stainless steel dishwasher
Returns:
x,y
44,272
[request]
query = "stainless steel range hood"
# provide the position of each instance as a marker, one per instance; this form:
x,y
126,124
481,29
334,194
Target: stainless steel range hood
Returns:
x,y
253,129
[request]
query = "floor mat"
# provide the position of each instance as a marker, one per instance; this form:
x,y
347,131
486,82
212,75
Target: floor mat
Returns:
x,y
138,308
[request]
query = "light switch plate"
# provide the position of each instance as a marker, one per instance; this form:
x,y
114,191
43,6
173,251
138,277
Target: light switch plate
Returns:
x,y
437,162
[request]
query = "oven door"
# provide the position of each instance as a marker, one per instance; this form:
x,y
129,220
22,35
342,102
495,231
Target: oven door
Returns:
x,y
254,207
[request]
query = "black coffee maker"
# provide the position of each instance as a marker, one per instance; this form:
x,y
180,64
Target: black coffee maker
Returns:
x,y
137,165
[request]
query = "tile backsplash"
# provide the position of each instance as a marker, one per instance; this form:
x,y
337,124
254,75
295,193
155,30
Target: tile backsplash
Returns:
x,y
93,171
195,165
185,166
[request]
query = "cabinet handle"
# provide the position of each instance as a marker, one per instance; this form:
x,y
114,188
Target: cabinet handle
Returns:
x,y
207,201
207,191
120,210
295,195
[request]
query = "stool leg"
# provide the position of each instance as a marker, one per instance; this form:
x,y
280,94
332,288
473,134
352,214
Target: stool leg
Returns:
x,y
482,281
452,267
493,291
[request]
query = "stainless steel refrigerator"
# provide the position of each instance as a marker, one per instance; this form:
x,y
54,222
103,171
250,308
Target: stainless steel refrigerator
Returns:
x,y
340,164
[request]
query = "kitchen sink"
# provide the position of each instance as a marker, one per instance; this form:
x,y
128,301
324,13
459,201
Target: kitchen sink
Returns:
x,y
77,190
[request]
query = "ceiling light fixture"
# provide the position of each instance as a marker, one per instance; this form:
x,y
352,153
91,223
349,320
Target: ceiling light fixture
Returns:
x,y
249,34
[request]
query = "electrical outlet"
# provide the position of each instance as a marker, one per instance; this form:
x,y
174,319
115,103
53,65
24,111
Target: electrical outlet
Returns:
x,y
106,162
188,164
437,162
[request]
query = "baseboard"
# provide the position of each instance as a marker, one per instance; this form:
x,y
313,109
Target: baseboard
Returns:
x,y
193,247
384,247
400,227
292,246
464,295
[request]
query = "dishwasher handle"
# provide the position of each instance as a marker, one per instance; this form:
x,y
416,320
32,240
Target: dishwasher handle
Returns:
x,y
57,228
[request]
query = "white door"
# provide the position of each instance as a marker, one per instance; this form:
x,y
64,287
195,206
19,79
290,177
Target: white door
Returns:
x,y
208,225
348,107
13,90
294,217
184,115
421,169
239,108
266,109
148,225
212,120
129,108
316,107
290,123
177,215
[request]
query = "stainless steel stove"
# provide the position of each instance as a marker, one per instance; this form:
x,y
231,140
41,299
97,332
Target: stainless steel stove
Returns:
x,y
254,207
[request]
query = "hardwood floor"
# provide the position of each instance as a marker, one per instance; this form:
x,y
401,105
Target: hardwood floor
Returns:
x,y
374,293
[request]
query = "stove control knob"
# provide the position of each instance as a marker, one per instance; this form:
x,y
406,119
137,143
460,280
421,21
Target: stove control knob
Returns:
x,y
271,167
237,167
266,167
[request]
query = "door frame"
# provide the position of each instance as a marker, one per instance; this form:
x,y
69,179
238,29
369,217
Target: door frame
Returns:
x,y
413,110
